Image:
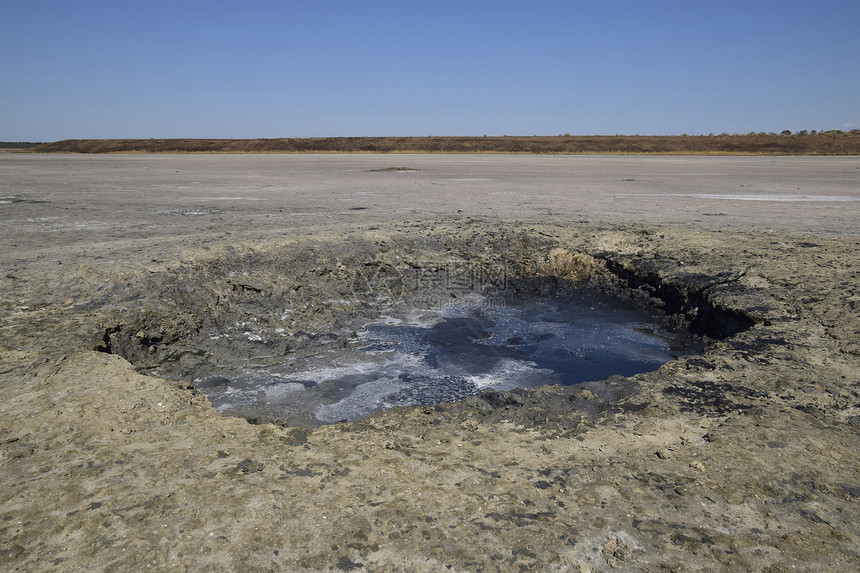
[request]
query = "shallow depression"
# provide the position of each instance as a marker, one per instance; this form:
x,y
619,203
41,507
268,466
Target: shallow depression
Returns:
x,y
420,356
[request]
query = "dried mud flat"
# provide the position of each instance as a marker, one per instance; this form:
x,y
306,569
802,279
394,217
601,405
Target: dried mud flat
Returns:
x,y
742,457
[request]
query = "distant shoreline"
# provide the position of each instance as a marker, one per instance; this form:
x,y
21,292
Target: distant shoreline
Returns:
x,y
824,143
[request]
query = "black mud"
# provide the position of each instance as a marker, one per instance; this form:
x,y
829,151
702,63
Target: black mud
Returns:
x,y
257,320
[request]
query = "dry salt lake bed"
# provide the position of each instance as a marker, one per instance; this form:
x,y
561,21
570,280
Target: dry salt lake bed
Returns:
x,y
429,362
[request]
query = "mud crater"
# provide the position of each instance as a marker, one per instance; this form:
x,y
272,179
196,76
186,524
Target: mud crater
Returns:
x,y
307,336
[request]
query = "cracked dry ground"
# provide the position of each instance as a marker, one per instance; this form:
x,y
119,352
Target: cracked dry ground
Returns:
x,y
741,457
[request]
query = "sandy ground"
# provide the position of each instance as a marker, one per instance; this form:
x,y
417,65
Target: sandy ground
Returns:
x,y
743,457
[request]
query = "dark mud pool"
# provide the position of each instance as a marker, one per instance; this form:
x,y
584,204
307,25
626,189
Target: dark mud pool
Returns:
x,y
420,357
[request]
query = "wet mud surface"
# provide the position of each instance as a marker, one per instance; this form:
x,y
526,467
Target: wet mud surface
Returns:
x,y
124,281
429,339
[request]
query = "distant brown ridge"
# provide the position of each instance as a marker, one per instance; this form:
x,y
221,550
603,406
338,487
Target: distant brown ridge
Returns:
x,y
822,143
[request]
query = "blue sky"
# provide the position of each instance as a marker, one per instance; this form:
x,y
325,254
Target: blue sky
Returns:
x,y
128,68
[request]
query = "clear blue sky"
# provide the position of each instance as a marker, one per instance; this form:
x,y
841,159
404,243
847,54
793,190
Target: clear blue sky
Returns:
x,y
148,68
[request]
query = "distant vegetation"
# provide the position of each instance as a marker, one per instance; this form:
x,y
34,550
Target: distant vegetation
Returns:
x,y
785,143
18,144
